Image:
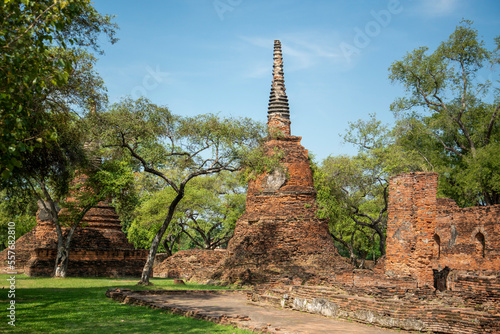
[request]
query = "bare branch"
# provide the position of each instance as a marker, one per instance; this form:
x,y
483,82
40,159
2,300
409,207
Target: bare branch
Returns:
x,y
148,169
446,147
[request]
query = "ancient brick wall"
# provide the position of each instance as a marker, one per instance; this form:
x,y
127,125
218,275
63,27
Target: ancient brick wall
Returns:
x,y
466,238
426,233
416,310
98,247
89,263
191,264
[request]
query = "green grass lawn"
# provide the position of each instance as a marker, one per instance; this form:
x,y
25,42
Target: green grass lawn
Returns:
x,y
78,305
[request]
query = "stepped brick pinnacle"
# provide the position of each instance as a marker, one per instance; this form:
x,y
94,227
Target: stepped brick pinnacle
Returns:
x,y
278,111
279,238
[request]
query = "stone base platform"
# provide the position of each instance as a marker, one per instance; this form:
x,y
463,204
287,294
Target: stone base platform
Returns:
x,y
231,307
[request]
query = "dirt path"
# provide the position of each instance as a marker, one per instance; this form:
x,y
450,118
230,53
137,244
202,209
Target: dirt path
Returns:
x,y
234,308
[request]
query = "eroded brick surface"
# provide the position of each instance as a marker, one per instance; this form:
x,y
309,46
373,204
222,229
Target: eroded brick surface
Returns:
x,y
279,236
190,264
426,233
98,247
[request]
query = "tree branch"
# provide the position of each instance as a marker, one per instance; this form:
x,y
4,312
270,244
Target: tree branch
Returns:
x,y
489,129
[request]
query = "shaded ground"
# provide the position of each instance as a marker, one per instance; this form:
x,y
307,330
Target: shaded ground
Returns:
x,y
233,308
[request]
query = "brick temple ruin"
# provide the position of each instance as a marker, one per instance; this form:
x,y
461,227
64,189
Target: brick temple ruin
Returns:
x,y
441,272
426,235
279,236
99,247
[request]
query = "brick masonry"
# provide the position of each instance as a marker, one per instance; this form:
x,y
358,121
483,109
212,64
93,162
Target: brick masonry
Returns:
x,y
98,248
279,236
191,264
441,272
415,310
425,233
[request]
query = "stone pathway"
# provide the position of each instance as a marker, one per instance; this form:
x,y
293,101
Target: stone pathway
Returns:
x,y
232,307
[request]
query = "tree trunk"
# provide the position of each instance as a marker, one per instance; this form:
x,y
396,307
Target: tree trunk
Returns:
x,y
62,259
61,263
148,267
381,243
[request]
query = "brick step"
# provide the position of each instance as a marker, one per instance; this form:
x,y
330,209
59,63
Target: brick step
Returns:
x,y
273,300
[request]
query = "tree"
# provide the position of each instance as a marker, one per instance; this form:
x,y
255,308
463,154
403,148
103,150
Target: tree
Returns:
x,y
46,63
349,196
39,43
188,147
17,208
212,205
353,191
205,218
447,118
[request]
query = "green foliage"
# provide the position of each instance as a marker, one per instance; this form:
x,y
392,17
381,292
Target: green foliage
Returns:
x,y
444,121
19,209
352,191
206,217
39,42
111,179
212,206
345,192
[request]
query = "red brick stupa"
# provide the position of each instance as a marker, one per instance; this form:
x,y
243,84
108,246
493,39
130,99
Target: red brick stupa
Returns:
x,y
279,238
99,247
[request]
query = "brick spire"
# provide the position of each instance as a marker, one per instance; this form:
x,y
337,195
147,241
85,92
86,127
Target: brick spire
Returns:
x,y
278,114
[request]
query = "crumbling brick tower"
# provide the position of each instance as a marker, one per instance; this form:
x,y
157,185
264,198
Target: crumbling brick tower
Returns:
x,y
411,225
279,237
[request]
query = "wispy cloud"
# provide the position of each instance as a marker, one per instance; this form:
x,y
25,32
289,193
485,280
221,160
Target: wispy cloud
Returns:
x,y
302,50
436,8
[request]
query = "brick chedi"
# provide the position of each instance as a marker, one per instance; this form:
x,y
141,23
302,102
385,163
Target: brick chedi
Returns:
x,y
279,237
99,247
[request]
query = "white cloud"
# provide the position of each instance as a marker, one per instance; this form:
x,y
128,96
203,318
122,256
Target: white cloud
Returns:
x,y
301,50
438,7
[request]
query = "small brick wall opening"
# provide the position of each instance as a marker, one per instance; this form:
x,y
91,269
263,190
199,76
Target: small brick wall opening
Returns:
x,y
481,244
440,278
437,246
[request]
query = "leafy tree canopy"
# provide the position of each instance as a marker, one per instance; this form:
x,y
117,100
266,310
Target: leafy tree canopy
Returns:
x,y
175,149
41,64
448,119
353,190
206,216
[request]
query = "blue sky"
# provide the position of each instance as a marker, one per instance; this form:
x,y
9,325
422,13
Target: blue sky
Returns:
x,y
215,56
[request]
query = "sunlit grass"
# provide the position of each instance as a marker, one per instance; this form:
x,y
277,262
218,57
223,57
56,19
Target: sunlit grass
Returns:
x,y
79,305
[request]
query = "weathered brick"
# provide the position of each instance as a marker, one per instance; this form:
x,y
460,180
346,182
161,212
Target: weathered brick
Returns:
x,y
98,247
426,233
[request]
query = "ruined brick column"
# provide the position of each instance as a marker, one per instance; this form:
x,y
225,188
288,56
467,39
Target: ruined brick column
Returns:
x,y
279,238
411,225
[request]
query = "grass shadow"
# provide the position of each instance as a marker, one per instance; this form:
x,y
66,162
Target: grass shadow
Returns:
x,y
79,305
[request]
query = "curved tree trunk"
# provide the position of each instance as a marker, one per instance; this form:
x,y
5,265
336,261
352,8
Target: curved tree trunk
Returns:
x,y
61,266
147,271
